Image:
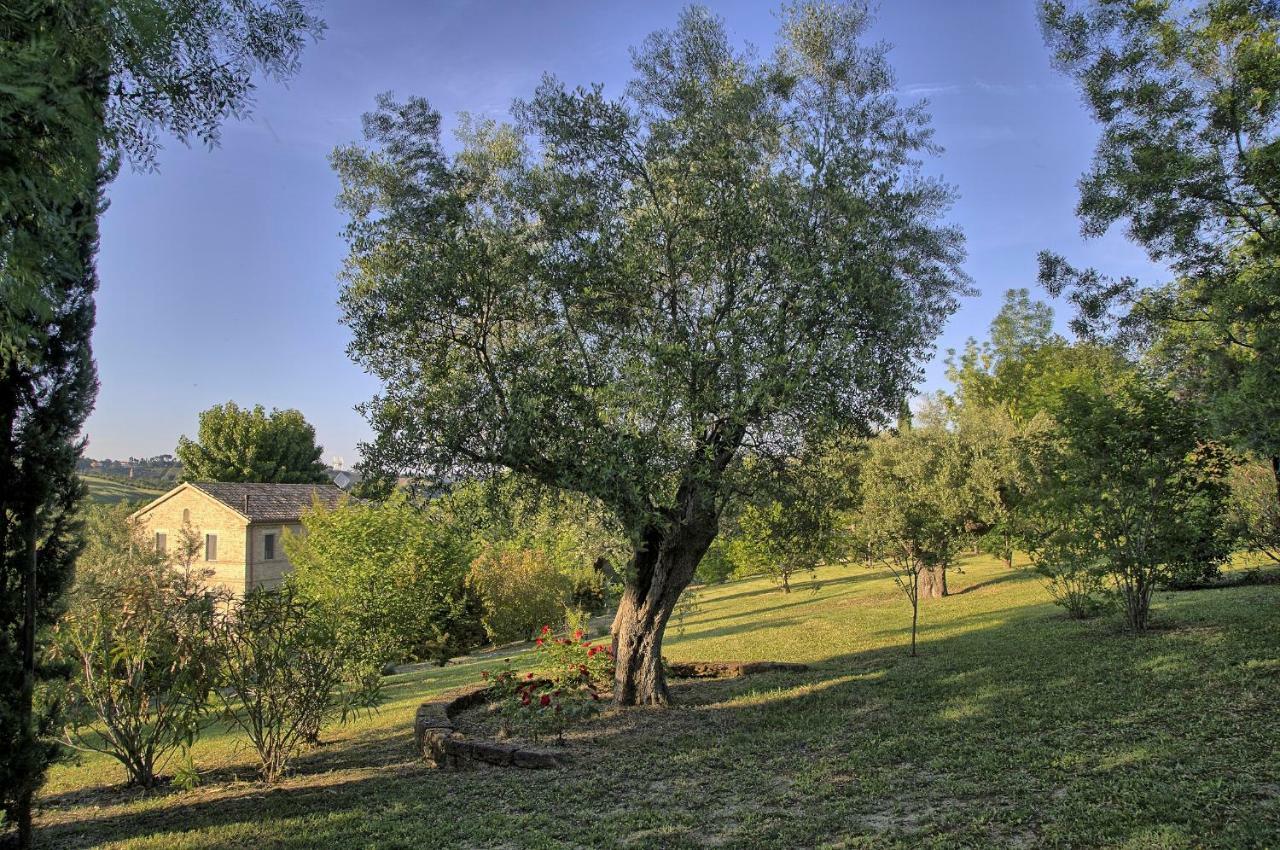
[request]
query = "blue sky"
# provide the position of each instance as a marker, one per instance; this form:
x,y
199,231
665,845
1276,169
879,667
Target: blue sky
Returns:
x,y
219,274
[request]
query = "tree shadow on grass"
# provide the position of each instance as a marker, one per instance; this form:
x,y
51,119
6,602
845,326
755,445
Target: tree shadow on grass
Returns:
x,y
1028,732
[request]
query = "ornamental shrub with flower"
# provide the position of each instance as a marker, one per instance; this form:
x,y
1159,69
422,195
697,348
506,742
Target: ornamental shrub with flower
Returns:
x,y
568,685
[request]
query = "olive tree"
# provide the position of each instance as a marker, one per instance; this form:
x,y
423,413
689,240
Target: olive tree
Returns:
x,y
913,511
620,295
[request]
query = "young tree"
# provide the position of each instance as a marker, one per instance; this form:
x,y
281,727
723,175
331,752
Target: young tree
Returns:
x,y
1128,491
236,444
84,81
1186,96
391,576
797,516
616,296
913,510
282,672
138,633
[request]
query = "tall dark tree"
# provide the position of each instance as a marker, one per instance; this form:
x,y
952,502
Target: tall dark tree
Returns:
x,y
1188,95
620,296
84,81
250,444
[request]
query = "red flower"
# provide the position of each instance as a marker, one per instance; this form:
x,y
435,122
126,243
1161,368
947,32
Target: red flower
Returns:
x,y
528,675
524,697
539,641
591,653
546,629
546,700
577,634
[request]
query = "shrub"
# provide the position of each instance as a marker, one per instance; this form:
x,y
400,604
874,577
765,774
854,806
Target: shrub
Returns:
x,y
519,589
1127,488
137,633
564,688
1253,513
283,674
391,576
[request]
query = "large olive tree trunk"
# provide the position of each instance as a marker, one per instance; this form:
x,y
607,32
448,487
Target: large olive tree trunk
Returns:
x,y
933,582
662,567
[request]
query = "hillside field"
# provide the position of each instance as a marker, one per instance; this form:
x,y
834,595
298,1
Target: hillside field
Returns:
x,y
1016,727
110,491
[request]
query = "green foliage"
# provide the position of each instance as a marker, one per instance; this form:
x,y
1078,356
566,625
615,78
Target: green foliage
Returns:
x,y
237,444
565,686
795,517
1188,158
1253,510
914,509
576,534
391,576
138,635
1127,491
521,589
282,674
716,566
611,296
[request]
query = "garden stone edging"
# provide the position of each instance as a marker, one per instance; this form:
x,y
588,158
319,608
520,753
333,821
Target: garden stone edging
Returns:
x,y
442,745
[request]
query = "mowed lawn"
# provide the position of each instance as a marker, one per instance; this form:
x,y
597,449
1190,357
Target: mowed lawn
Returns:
x,y
1015,727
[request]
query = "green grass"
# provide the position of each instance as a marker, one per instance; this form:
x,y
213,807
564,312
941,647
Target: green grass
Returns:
x,y
109,491
1016,727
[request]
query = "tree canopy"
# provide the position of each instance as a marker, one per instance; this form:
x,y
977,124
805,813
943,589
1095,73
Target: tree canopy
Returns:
x,y
615,295
1189,160
239,444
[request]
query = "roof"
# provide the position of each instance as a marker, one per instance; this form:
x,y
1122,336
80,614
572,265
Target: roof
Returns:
x,y
270,502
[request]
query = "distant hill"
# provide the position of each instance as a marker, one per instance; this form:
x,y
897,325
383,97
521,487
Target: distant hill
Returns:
x,y
110,491
162,469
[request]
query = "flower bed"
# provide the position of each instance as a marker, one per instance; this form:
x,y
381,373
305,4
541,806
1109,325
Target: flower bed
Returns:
x,y
531,706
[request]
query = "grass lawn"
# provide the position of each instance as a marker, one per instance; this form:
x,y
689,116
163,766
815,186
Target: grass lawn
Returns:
x,y
108,491
1016,727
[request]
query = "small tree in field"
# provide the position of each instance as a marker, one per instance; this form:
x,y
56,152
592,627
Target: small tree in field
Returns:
x,y
137,632
1128,492
282,674
620,296
797,518
912,514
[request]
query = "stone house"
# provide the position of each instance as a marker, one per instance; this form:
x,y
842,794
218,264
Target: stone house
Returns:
x,y
240,526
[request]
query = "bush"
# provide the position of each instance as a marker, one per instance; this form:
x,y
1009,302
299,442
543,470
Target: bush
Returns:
x,y
565,687
391,576
283,674
1253,513
137,632
1128,490
519,589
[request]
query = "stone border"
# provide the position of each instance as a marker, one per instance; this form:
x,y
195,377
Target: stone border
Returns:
x,y
442,745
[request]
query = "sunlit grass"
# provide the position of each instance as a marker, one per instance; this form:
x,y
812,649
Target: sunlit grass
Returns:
x,y
1015,727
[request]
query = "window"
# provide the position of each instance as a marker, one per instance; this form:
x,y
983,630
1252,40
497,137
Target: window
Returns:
x,y
162,542
269,547
211,547
186,516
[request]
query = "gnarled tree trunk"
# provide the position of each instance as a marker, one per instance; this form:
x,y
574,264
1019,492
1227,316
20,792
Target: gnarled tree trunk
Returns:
x,y
933,582
662,567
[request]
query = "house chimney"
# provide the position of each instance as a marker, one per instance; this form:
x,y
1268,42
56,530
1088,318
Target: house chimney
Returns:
x,y
246,504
